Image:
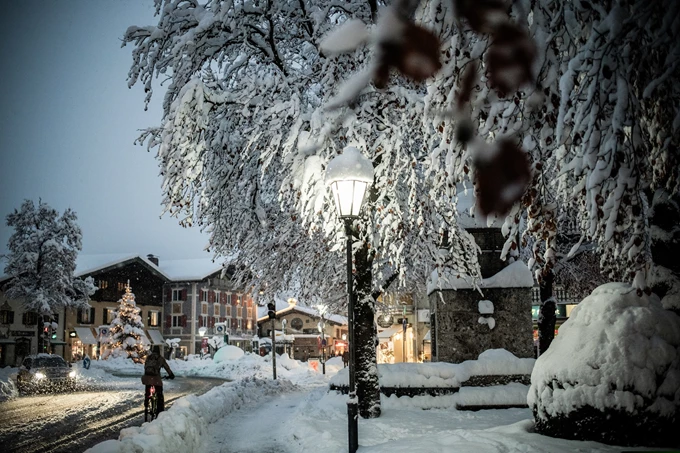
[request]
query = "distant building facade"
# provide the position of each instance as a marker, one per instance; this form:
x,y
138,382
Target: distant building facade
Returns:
x,y
200,301
87,329
302,323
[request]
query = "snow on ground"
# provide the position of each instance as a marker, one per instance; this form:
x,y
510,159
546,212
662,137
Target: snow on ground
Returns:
x,y
297,413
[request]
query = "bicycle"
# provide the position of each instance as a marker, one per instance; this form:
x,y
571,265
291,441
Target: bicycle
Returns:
x,y
151,403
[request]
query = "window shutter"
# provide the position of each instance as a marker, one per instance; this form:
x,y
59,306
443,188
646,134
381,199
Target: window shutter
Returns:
x,y
91,315
184,294
212,322
168,322
211,296
11,317
168,293
80,316
184,320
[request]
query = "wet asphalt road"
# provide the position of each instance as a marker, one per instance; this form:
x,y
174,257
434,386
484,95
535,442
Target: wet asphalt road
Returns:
x,y
74,422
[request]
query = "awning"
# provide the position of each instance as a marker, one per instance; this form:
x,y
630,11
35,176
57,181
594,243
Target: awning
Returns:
x,y
156,337
427,336
387,333
85,335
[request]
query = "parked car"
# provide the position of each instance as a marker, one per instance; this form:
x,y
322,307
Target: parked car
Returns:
x,y
45,372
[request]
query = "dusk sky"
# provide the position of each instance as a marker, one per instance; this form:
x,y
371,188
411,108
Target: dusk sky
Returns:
x,y
69,122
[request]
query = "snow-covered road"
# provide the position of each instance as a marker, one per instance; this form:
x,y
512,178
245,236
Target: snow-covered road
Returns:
x,y
73,422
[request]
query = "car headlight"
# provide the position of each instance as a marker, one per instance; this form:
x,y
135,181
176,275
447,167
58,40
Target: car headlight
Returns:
x,y
39,375
72,373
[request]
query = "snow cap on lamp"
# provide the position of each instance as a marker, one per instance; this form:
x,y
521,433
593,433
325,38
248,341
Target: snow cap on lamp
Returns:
x,y
349,175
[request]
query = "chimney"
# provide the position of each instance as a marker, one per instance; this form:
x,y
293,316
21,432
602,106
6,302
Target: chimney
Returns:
x,y
153,259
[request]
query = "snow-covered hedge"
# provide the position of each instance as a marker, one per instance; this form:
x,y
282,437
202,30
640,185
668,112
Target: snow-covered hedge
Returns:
x,y
188,419
613,372
491,362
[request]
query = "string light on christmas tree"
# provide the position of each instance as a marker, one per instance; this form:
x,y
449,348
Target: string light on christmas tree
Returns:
x,y
127,328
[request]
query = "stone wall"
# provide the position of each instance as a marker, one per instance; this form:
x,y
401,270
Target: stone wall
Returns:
x,y
461,337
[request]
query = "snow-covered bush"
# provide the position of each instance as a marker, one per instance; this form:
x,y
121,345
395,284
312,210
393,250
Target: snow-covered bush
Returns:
x,y
613,372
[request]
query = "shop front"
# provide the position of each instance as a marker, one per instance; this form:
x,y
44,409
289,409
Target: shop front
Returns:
x,y
82,342
395,345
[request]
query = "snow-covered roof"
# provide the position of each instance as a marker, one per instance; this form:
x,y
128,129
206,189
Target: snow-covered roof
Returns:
x,y
190,269
281,309
88,264
174,270
515,275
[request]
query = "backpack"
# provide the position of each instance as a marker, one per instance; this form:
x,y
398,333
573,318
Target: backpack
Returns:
x,y
152,366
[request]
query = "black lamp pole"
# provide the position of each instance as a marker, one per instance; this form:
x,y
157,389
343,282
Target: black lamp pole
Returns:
x,y
352,404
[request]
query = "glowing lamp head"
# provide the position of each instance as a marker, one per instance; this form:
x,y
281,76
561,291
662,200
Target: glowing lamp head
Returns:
x,y
349,175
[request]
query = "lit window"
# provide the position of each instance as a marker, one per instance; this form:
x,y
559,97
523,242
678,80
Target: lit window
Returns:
x,y
108,315
154,319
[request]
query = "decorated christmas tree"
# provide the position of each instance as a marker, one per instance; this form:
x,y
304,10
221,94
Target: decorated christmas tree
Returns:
x,y
126,328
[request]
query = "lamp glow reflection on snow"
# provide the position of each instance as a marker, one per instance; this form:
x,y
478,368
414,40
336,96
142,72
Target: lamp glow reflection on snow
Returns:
x,y
349,175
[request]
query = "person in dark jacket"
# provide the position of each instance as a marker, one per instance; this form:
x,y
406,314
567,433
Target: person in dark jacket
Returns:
x,y
152,376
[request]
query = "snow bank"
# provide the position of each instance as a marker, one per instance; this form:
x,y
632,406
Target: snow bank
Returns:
x,y
8,388
616,351
228,352
248,365
441,374
182,426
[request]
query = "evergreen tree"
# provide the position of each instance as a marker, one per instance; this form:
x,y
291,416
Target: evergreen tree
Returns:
x,y
126,328
42,260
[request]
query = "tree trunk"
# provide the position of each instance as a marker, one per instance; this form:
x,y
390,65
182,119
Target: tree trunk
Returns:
x,y
546,316
368,387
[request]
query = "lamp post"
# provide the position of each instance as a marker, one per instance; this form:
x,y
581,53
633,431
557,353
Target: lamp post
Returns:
x,y
349,175
322,327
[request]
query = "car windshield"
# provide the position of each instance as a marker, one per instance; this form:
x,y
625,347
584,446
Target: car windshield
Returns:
x,y
49,362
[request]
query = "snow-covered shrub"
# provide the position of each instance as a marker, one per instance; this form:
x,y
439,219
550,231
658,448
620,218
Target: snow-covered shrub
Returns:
x,y
228,352
613,372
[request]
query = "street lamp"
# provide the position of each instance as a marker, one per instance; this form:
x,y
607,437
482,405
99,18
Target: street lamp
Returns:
x,y
349,175
322,327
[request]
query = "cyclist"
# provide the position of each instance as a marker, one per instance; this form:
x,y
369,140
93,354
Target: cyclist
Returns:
x,y
152,377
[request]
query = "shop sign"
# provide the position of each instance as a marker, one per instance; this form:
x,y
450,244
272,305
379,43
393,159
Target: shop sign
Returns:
x,y
22,333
